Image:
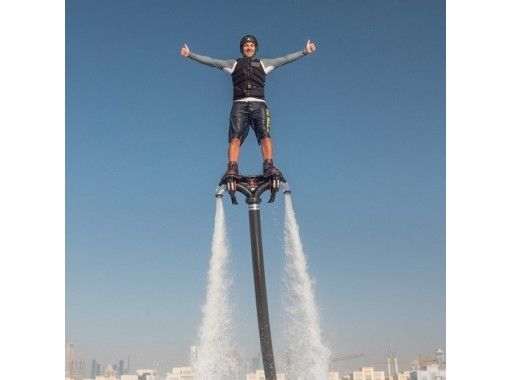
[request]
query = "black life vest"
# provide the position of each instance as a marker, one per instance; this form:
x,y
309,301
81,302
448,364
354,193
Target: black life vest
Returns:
x,y
248,79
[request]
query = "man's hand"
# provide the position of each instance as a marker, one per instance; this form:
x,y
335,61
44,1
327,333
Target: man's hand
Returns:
x,y
310,47
185,51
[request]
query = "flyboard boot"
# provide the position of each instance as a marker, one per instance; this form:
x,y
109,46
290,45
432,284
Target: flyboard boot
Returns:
x,y
230,177
272,173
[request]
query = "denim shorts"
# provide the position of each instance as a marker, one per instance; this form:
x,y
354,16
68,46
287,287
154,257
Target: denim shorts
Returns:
x,y
249,114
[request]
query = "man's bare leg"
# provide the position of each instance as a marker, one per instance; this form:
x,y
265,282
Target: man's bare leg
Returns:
x,y
234,149
266,146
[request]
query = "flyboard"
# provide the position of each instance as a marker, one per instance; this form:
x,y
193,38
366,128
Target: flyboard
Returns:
x,y
252,187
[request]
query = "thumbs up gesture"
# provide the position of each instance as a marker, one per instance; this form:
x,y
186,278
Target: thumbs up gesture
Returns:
x,y
185,51
310,47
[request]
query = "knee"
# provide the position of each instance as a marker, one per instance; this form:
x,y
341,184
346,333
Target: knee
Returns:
x,y
265,141
235,142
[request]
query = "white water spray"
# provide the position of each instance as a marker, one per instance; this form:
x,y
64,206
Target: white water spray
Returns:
x,y
215,357
307,357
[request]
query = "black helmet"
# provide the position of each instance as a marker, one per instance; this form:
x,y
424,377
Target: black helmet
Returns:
x,y
248,38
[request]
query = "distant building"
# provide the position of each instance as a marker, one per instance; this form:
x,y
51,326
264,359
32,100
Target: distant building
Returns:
x,y
406,375
94,370
256,364
193,354
180,373
367,373
69,359
395,374
146,374
110,371
129,377
78,369
431,372
259,375
337,376
440,357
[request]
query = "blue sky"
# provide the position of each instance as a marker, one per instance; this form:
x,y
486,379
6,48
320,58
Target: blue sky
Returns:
x,y
358,129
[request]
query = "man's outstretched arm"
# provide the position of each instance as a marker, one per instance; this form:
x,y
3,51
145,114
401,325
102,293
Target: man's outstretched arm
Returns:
x,y
273,63
221,64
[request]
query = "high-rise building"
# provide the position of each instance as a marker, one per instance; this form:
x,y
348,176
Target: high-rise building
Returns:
x,y
193,355
440,356
94,369
69,359
121,367
109,371
75,369
78,369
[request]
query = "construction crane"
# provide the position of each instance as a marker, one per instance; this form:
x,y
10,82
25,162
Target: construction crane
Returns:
x,y
411,363
341,358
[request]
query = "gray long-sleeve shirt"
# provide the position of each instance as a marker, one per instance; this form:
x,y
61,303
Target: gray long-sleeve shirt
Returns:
x,y
229,65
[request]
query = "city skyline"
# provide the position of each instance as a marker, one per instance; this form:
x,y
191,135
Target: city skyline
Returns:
x,y
342,364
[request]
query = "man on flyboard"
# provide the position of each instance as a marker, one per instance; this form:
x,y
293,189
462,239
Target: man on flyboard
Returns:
x,y
249,108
